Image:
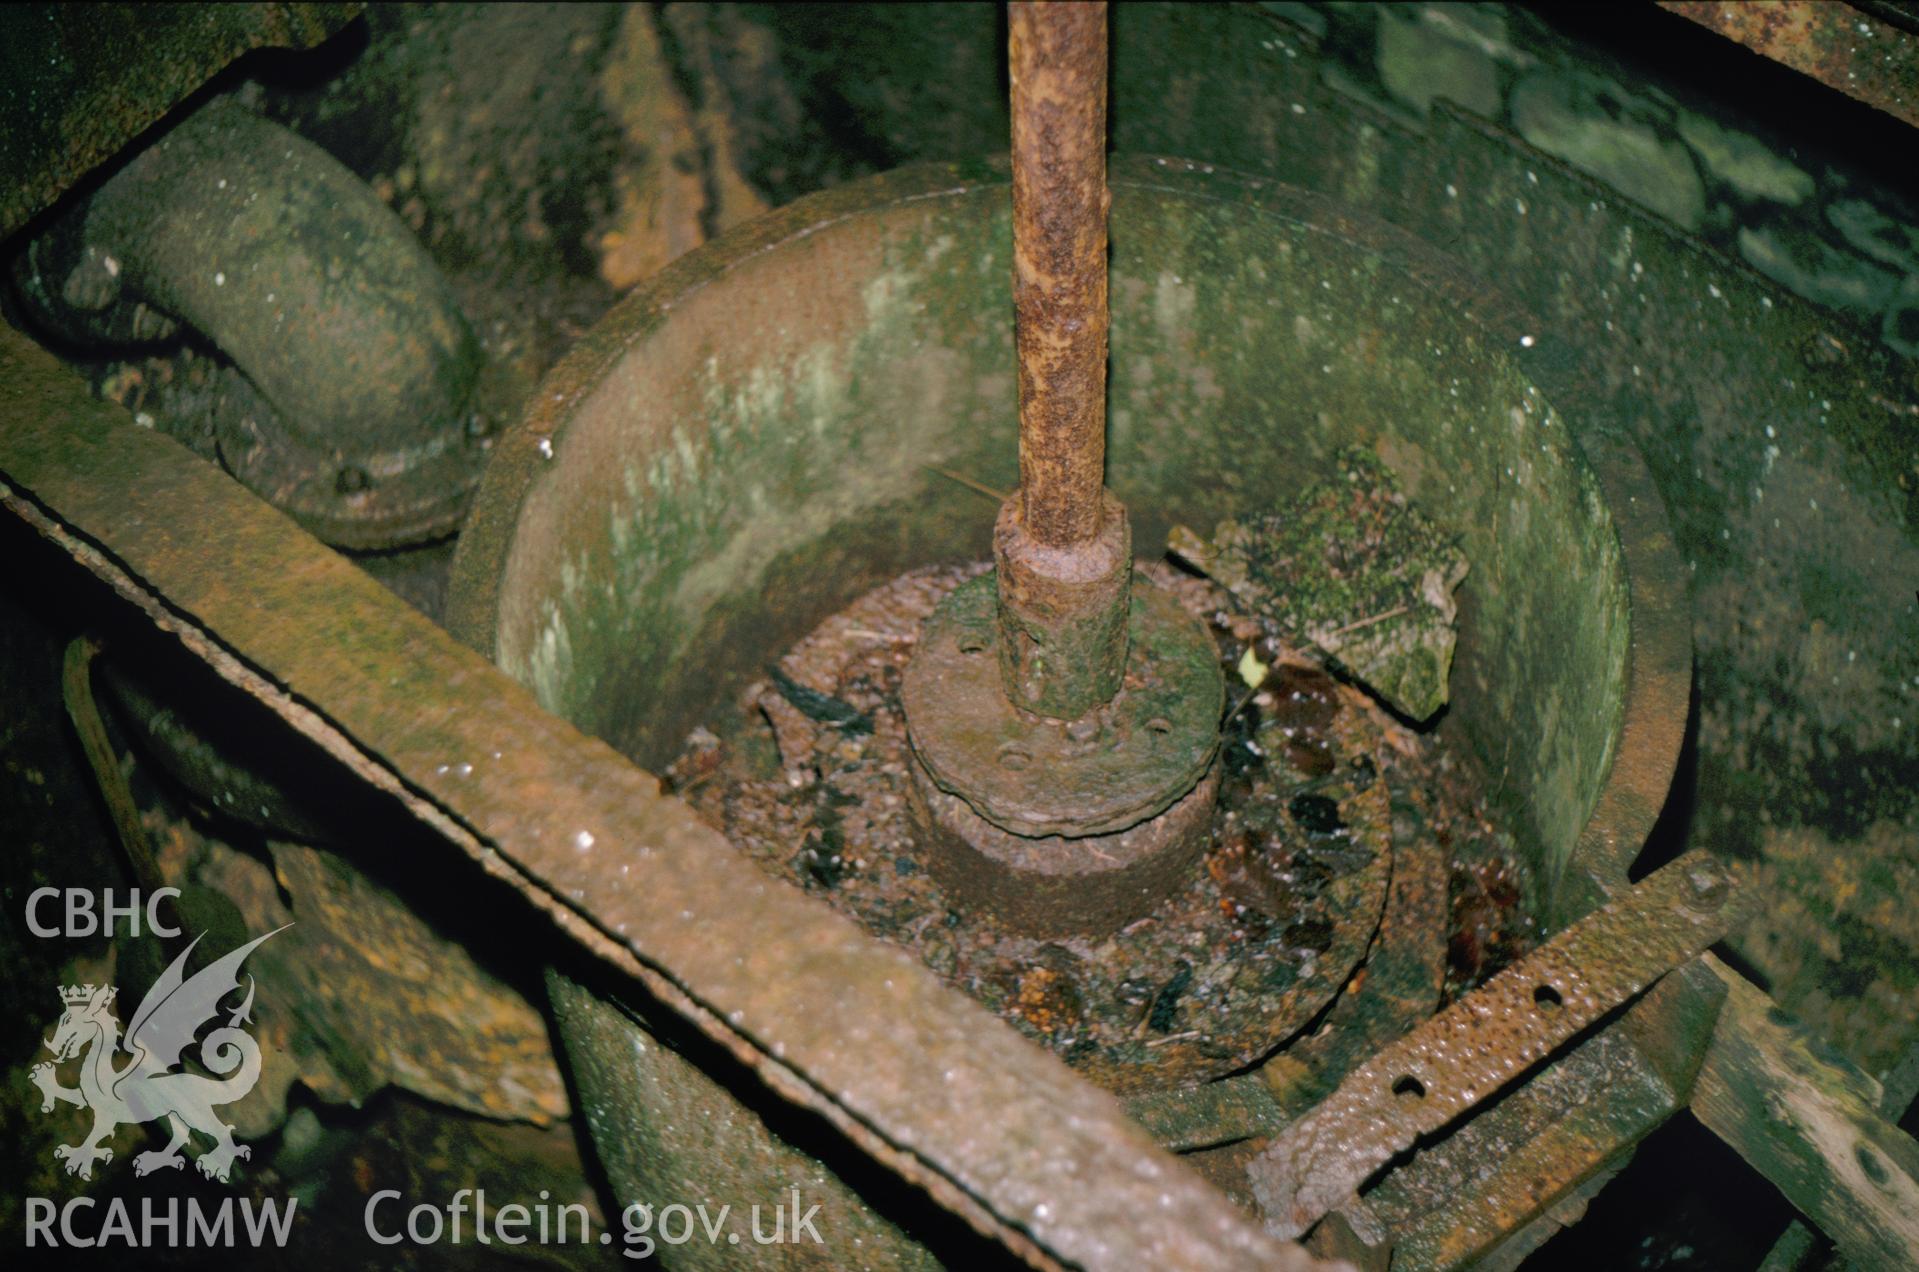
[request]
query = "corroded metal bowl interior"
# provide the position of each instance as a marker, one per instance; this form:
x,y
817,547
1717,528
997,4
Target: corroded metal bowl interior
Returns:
x,y
749,441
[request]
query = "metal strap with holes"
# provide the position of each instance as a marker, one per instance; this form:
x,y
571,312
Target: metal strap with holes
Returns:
x,y
1489,1037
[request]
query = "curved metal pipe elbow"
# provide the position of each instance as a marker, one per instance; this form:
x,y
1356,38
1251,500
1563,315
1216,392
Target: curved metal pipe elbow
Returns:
x,y
359,368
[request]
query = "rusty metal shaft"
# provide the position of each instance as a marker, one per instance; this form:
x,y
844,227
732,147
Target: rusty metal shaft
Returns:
x,y
1062,546
1058,61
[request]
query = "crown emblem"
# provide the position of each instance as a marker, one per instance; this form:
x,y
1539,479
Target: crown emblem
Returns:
x,y
76,993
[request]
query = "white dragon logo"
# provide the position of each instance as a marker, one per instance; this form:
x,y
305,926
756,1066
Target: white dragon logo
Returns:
x,y
143,1091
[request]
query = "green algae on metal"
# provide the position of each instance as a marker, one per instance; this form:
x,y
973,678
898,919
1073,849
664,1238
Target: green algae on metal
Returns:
x,y
677,501
1256,332
1355,570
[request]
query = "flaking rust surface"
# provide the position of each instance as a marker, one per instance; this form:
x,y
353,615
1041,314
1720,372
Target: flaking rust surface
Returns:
x,y
808,772
1058,70
1420,1083
1502,1183
1155,739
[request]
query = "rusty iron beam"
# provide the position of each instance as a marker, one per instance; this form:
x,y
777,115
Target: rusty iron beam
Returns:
x,y
924,1080
79,82
1848,47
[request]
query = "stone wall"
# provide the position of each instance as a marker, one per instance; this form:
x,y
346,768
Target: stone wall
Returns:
x,y
1831,227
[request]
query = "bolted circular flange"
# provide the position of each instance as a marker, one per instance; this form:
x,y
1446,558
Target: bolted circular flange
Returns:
x,y
360,500
1111,769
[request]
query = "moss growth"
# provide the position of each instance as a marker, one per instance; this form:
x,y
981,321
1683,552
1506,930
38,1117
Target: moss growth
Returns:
x,y
1357,571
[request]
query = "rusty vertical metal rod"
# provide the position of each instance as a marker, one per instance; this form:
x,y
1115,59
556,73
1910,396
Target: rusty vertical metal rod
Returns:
x,y
1062,546
1058,62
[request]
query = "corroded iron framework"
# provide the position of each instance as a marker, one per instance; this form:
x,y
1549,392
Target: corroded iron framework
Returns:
x,y
391,698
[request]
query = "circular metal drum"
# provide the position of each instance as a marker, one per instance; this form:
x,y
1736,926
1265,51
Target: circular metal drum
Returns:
x,y
747,443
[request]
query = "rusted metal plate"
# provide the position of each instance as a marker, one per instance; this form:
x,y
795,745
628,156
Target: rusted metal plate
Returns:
x,y
1504,1180
1396,988
1843,46
78,82
952,1099
1420,1083
1056,885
